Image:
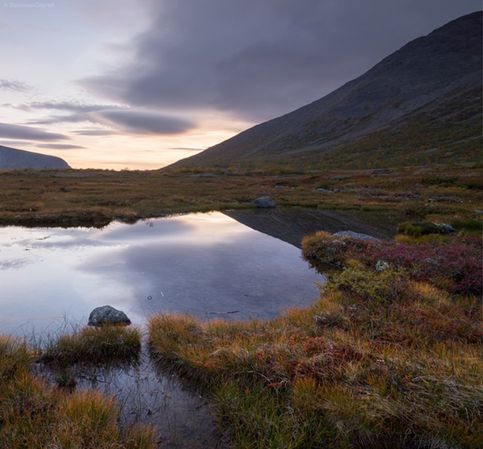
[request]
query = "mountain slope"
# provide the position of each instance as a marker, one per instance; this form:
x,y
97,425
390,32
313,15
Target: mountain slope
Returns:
x,y
420,104
11,159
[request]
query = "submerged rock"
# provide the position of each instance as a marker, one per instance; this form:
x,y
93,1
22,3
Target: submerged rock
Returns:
x,y
107,315
355,235
264,202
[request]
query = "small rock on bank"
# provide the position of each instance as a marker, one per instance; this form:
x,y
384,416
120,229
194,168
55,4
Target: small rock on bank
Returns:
x,y
107,315
264,202
355,235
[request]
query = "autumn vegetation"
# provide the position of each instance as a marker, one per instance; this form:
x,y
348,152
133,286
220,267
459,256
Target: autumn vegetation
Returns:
x,y
91,345
388,357
96,197
37,415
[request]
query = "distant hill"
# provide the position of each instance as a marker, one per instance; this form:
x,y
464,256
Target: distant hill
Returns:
x,y
11,159
421,104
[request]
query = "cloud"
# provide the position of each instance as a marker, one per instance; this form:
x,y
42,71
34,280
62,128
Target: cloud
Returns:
x,y
120,118
68,106
14,86
53,119
142,122
256,59
94,132
75,112
8,131
13,143
59,146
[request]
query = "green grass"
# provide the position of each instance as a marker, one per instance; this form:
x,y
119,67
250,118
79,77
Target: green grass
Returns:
x,y
468,225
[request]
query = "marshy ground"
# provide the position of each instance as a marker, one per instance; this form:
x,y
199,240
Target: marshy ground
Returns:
x,y
386,358
96,197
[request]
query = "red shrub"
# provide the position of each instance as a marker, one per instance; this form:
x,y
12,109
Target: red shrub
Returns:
x,y
458,261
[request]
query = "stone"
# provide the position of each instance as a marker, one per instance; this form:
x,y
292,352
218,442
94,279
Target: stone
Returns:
x,y
445,228
264,202
107,315
355,235
382,265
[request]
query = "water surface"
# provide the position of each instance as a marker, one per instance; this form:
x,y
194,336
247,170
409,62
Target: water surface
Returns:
x,y
207,265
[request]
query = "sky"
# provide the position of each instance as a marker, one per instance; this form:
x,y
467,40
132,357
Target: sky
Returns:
x,y
140,84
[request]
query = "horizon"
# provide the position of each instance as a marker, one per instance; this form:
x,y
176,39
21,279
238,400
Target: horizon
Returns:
x,y
140,84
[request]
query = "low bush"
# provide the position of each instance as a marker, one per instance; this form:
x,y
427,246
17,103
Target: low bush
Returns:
x,y
468,225
369,286
323,249
452,263
417,229
439,181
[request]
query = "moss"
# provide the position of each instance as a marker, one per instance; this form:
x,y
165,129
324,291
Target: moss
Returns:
x,y
468,225
417,229
370,286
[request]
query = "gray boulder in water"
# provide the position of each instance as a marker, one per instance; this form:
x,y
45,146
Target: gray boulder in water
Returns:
x,y
107,315
264,202
355,235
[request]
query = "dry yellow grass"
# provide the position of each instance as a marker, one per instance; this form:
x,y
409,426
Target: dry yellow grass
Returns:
x,y
35,415
106,344
95,197
383,360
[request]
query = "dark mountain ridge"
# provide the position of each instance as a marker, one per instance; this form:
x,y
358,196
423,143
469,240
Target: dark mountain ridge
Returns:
x,y
13,159
417,104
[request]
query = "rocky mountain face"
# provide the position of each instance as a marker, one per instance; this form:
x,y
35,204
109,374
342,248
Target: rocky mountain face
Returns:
x,y
12,159
421,104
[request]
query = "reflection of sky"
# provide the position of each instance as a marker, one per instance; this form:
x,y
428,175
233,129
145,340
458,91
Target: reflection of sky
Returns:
x,y
204,264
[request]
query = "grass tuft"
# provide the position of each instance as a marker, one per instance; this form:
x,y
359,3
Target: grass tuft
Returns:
x,y
35,415
94,345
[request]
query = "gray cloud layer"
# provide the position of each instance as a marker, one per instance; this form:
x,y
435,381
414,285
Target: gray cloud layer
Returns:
x,y
94,132
135,121
59,146
257,59
8,131
142,122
